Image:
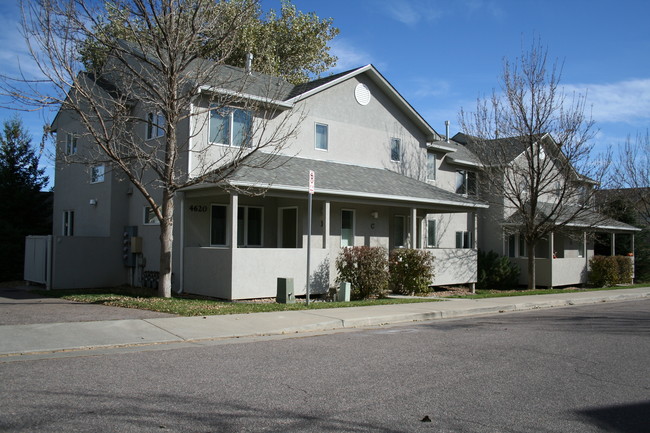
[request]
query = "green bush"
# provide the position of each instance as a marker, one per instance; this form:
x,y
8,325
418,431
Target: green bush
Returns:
x,y
496,272
610,270
411,271
365,268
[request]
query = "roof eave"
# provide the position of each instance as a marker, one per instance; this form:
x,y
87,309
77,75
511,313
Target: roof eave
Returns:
x,y
284,105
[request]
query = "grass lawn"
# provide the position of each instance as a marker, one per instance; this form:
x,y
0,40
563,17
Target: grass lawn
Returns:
x,y
502,293
147,299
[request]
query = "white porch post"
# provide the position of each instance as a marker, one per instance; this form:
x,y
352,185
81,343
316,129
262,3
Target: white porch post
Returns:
x,y
414,228
475,230
326,224
613,246
551,255
181,255
234,204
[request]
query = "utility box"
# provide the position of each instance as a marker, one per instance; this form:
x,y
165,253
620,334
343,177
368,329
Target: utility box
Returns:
x,y
285,291
344,292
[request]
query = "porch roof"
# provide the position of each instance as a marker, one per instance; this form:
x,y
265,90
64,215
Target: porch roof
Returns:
x,y
579,218
334,178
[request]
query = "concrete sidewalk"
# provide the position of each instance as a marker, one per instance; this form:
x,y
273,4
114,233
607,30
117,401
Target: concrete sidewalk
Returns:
x,y
54,337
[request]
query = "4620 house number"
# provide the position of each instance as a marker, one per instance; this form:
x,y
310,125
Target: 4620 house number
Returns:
x,y
198,208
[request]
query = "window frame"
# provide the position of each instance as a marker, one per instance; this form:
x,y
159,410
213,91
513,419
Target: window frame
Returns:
x,y
97,173
228,113
353,219
395,148
70,144
67,227
155,125
432,169
245,232
316,135
148,211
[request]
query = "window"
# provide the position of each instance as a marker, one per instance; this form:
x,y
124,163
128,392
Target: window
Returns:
x,y
249,226
399,230
581,246
230,127
150,217
97,173
218,224
464,240
431,234
522,246
395,149
465,182
511,246
155,125
347,228
321,136
70,144
431,166
68,223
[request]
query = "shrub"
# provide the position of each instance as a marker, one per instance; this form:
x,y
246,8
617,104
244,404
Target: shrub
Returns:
x,y
365,268
496,272
411,271
610,270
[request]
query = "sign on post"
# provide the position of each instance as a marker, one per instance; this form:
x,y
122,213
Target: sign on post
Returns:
x,y
312,179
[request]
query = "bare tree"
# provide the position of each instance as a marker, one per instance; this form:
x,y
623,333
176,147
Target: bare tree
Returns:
x,y
156,82
631,173
534,144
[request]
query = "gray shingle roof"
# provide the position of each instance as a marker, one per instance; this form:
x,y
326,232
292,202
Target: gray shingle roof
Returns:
x,y
350,180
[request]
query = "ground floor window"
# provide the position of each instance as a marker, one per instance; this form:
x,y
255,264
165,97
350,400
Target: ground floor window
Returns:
x,y
249,226
347,228
218,224
68,223
464,239
431,234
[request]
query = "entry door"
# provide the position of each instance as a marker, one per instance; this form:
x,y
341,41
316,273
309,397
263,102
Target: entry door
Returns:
x,y
289,227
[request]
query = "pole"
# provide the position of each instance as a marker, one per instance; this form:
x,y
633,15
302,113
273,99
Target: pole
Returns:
x,y
309,198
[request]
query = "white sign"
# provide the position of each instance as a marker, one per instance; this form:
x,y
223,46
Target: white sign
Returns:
x,y
312,178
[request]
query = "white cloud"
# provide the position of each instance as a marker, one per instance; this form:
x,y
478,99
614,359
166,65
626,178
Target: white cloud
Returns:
x,y
625,101
348,55
411,12
431,88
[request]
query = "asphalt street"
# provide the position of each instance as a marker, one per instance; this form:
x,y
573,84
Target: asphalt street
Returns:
x,y
573,369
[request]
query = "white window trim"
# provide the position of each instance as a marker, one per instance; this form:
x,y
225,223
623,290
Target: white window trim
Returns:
x,y
435,233
354,226
144,217
435,168
70,144
327,136
156,122
227,225
231,123
399,149
246,244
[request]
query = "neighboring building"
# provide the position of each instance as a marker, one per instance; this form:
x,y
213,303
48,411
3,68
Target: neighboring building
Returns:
x,y
562,257
383,177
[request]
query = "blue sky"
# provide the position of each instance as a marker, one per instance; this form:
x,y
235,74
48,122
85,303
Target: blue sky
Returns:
x,y
442,55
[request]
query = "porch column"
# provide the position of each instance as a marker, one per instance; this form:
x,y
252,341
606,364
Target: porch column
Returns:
x,y
613,246
326,224
414,228
551,256
475,230
234,205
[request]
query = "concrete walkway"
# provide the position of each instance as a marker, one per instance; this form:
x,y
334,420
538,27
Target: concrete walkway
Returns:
x,y
70,336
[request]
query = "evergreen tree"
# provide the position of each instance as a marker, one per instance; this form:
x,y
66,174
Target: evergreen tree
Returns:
x,y
24,209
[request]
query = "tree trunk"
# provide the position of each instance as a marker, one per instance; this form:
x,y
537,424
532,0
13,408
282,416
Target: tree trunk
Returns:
x,y
531,266
166,244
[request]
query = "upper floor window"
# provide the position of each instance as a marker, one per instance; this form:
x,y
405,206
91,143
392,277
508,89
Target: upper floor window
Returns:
x,y
466,182
395,149
70,144
321,136
68,223
97,173
230,127
431,166
155,125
